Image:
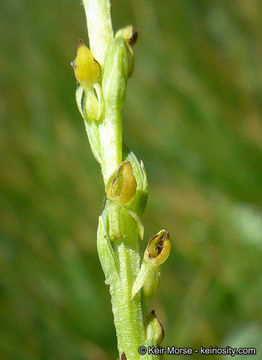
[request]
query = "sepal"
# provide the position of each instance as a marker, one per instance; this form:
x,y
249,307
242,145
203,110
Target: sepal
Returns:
x,y
87,69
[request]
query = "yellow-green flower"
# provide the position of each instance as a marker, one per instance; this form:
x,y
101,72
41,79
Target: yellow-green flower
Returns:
x,y
87,69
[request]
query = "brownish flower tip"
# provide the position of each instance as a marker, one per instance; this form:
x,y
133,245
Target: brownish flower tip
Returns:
x,y
133,38
123,356
80,43
160,323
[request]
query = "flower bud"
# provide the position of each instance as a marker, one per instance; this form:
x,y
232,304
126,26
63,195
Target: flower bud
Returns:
x,y
130,37
154,329
87,69
123,187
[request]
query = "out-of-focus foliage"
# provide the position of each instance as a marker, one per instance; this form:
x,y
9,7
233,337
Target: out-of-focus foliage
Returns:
x,y
193,114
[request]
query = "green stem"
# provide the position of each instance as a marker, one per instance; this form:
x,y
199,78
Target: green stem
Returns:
x,y
114,82
128,314
99,26
110,131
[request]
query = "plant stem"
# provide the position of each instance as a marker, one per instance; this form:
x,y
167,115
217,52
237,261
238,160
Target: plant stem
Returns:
x,y
111,143
99,26
127,312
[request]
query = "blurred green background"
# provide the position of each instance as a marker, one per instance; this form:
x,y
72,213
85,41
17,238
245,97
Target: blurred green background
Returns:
x,y
193,114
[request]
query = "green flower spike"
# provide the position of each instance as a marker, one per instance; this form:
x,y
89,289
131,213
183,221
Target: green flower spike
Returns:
x,y
102,74
156,253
